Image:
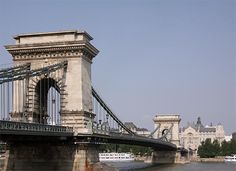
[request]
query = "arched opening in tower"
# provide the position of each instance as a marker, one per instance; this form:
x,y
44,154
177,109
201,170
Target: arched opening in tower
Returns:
x,y
47,102
53,106
164,131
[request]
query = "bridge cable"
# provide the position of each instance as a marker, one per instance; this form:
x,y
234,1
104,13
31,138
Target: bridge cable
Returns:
x,y
31,73
153,132
108,110
165,135
16,78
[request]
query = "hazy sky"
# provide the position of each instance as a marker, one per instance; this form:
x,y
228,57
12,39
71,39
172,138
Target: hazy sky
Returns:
x,y
156,56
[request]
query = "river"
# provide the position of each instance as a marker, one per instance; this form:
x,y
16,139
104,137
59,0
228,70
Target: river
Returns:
x,y
122,166
140,166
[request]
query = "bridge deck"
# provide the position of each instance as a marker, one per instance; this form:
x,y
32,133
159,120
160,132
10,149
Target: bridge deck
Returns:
x,y
115,138
33,131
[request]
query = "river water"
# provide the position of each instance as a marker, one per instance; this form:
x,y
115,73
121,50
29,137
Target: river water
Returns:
x,y
140,166
122,166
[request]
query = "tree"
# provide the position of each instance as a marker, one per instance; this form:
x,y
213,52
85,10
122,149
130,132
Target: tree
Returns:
x,y
201,151
207,149
233,146
225,148
216,148
136,150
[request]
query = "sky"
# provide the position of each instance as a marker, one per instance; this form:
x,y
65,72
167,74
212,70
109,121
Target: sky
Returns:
x,y
156,56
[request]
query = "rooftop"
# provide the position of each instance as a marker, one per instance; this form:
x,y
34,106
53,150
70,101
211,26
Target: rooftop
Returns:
x,y
199,127
59,36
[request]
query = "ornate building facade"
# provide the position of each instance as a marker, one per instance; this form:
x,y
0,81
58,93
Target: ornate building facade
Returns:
x,y
192,135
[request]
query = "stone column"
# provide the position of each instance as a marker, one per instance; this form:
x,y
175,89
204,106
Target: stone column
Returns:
x,y
77,111
18,101
85,157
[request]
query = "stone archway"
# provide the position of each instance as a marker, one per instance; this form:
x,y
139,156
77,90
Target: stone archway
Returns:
x,y
46,93
45,98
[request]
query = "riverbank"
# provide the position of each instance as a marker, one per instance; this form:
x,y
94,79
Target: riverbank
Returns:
x,y
194,166
148,159
218,159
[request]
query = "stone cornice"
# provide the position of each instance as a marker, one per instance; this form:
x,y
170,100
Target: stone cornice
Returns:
x,y
167,120
53,55
53,50
79,113
53,47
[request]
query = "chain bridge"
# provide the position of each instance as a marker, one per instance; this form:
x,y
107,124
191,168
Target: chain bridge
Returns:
x,y
48,105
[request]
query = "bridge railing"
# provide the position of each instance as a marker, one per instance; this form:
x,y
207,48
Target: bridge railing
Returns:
x,y
33,127
101,129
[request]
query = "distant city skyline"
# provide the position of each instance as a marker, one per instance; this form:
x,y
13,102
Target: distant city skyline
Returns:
x,y
157,56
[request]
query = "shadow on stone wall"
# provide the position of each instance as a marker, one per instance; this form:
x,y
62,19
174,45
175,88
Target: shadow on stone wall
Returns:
x,y
163,157
40,157
52,157
35,163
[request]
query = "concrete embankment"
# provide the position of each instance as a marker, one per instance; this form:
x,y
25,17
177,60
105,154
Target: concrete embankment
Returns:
x,y
219,159
181,160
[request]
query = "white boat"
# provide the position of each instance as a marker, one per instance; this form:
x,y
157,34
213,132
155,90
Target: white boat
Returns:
x,y
231,158
116,157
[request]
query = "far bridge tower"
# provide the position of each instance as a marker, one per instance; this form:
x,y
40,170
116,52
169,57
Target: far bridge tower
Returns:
x,y
169,125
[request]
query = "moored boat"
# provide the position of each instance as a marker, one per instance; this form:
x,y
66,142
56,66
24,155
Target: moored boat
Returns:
x,y
231,158
114,157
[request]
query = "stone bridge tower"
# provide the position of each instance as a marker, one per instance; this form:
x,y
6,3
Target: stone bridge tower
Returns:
x,y
165,122
168,124
73,83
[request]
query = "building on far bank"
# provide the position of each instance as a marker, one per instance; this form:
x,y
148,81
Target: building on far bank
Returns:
x,y
193,134
135,129
234,136
143,131
228,138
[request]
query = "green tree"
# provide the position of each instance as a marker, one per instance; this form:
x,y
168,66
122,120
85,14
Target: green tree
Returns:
x,y
225,148
206,149
137,150
201,151
216,148
233,146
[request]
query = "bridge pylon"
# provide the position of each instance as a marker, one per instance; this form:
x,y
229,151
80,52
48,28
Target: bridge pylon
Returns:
x,y
72,85
168,126
167,129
